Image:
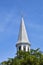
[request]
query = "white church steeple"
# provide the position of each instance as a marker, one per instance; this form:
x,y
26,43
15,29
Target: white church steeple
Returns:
x,y
23,42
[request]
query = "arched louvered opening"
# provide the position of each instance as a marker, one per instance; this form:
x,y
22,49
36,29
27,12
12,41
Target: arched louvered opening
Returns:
x,y
19,48
24,48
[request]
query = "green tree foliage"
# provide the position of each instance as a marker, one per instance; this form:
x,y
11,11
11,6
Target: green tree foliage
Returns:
x,y
33,57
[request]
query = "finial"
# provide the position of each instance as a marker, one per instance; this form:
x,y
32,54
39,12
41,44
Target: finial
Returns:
x,y
22,14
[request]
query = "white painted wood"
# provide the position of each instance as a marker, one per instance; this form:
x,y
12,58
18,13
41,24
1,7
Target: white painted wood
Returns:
x,y
23,38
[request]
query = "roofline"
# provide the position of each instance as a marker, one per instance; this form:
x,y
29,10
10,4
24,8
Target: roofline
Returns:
x,y
23,43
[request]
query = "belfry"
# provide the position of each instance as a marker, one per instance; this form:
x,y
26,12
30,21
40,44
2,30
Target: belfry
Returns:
x,y
23,42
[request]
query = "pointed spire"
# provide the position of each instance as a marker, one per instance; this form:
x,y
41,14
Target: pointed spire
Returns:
x,y
23,38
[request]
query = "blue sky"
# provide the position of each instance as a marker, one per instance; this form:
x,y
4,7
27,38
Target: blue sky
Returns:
x,y
11,12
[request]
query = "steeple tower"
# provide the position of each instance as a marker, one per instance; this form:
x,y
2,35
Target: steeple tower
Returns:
x,y
23,42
